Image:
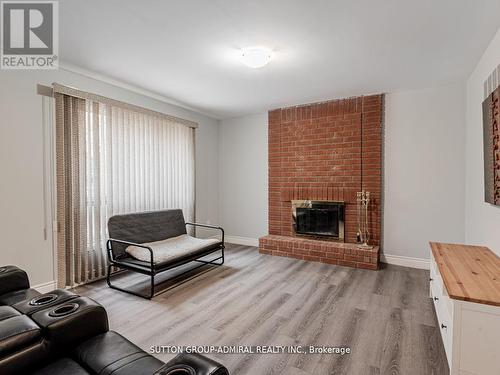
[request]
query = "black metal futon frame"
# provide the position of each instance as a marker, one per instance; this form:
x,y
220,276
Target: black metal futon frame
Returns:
x,y
139,228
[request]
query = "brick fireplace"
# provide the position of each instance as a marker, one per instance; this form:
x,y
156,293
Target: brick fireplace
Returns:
x,y
325,152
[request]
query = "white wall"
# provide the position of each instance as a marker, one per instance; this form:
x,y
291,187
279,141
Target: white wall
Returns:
x,y
482,220
243,176
21,188
424,170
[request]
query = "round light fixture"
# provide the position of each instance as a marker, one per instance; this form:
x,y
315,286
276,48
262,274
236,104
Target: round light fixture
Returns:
x,y
256,57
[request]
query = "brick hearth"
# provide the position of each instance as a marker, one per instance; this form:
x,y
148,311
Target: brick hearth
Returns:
x,y
340,253
321,152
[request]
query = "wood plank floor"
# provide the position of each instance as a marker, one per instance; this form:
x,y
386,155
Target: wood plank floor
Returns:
x,y
384,316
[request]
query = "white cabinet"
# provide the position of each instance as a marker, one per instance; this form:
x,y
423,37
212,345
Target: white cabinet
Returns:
x,y
470,331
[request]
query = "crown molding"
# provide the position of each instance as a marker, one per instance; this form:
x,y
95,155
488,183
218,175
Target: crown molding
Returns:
x,y
130,87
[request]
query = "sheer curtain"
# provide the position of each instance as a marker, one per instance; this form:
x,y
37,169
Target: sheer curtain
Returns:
x,y
113,158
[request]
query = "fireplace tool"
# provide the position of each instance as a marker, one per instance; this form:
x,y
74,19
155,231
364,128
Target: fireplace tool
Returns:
x,y
363,201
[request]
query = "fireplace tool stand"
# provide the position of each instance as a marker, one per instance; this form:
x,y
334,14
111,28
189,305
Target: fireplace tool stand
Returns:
x,y
363,202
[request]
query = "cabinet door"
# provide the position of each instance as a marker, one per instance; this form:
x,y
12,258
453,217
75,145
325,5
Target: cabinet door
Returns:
x,y
479,344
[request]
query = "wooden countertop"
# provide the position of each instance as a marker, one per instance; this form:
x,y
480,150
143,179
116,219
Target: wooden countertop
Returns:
x,y
470,273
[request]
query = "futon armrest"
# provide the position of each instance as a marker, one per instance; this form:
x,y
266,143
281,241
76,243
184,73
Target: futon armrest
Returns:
x,y
12,279
111,256
210,227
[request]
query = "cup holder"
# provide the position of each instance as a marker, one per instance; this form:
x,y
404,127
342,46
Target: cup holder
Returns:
x,y
178,370
64,310
44,299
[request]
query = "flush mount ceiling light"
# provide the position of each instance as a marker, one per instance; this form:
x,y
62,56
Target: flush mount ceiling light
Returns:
x,y
256,57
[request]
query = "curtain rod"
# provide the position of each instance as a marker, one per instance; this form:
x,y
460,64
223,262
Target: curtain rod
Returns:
x,y
71,91
44,90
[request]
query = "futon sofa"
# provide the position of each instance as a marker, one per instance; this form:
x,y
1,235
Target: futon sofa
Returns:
x,y
62,333
157,241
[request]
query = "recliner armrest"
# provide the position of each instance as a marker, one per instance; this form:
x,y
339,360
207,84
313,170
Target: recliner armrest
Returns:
x,y
193,363
72,322
44,301
111,353
12,279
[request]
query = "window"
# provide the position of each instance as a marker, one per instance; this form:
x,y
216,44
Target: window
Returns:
x,y
114,159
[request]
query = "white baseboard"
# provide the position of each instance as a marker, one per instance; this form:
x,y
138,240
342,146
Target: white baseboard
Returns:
x,y
385,258
405,261
45,287
247,241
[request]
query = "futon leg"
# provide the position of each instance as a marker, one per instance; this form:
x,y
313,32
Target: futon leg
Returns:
x,y
152,291
149,296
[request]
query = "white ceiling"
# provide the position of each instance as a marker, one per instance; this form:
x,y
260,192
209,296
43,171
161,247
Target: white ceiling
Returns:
x,y
187,50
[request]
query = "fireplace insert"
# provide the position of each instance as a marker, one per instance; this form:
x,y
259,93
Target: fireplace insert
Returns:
x,y
319,218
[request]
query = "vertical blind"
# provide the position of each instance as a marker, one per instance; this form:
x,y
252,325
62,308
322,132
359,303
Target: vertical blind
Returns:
x,y
113,159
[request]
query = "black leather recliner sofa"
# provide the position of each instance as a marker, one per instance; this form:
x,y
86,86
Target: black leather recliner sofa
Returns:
x,y
62,333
